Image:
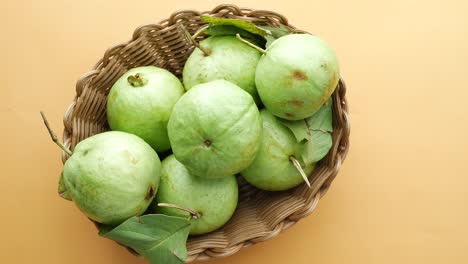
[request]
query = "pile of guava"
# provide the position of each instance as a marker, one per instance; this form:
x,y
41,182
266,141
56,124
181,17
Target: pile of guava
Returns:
x,y
254,101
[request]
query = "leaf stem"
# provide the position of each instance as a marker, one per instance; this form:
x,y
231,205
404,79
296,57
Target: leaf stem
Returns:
x,y
193,213
199,31
193,41
298,166
250,43
266,31
54,137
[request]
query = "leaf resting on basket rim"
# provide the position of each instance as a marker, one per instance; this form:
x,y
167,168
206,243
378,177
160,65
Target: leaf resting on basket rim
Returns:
x,y
240,23
157,237
262,35
229,30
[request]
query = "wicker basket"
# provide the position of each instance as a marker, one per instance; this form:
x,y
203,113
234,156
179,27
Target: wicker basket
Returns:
x,y
260,215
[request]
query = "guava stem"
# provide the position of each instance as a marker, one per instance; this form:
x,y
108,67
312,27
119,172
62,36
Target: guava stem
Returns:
x,y
250,43
193,41
193,213
298,166
136,80
54,137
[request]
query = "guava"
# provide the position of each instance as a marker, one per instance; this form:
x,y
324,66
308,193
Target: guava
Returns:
x,y
112,176
227,59
214,199
215,129
273,168
141,101
296,76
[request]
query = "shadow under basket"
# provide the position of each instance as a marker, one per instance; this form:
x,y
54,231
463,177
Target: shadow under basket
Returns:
x,y
260,215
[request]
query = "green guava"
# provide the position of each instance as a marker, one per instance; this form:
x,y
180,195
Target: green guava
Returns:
x,y
296,76
272,168
214,199
141,102
215,129
112,176
228,59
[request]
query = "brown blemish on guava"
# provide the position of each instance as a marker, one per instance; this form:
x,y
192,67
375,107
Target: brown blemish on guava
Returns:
x,y
299,75
289,114
150,193
296,102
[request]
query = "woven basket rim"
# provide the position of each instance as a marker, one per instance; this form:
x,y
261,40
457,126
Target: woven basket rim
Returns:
x,y
84,104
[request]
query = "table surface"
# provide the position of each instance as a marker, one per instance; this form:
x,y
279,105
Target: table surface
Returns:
x,y
401,196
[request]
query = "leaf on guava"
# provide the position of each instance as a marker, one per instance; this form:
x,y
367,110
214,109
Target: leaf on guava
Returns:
x,y
316,147
62,189
320,127
262,34
313,134
275,33
159,238
319,121
269,39
299,128
322,120
240,23
230,30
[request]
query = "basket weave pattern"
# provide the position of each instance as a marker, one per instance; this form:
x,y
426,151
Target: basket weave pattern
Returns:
x,y
260,215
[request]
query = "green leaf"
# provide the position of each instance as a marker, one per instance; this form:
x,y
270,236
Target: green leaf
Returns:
x,y
229,30
313,134
159,238
320,127
322,119
269,39
317,147
223,30
298,128
275,33
240,23
62,189
261,34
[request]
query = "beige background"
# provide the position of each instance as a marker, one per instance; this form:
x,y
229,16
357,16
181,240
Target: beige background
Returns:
x,y
401,196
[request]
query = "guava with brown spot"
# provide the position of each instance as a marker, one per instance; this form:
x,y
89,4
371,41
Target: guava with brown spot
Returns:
x,y
215,129
112,176
296,68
